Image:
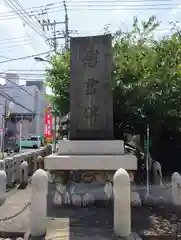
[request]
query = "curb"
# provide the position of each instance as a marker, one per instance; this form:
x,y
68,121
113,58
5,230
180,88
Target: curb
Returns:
x,y
160,237
7,234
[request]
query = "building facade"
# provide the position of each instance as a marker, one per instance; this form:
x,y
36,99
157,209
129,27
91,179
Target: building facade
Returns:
x,y
32,98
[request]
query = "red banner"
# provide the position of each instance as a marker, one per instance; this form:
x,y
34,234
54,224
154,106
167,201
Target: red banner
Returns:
x,y
48,122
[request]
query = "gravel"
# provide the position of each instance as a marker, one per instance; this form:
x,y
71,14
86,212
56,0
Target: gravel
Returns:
x,y
158,220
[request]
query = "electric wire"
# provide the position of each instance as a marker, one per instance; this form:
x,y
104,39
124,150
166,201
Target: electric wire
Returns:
x,y
7,39
30,19
21,12
25,57
8,97
25,20
14,45
21,87
102,5
54,4
13,41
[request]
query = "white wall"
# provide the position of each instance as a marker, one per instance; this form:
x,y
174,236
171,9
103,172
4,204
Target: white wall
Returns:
x,y
31,98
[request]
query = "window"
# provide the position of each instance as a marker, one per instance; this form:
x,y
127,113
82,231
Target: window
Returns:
x,y
34,138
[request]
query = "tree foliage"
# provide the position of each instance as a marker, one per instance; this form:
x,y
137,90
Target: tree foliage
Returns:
x,y
58,79
146,77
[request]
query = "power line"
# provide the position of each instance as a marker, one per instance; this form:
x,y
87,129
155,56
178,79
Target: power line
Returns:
x,y
22,70
15,40
93,4
51,5
29,79
21,58
61,34
4,57
119,8
23,15
6,96
30,74
31,21
129,8
21,87
6,87
114,8
4,45
7,39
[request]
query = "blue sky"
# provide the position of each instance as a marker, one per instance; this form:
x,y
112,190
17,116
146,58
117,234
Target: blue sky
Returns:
x,y
18,40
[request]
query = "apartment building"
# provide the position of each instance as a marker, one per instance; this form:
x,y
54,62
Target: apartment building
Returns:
x,y
28,107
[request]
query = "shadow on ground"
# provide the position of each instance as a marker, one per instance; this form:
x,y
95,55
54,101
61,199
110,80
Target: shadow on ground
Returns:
x,y
89,221
97,221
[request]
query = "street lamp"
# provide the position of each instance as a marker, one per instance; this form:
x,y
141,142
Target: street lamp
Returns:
x,y
39,59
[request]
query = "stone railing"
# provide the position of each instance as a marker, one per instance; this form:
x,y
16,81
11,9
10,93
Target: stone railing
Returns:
x,y
12,164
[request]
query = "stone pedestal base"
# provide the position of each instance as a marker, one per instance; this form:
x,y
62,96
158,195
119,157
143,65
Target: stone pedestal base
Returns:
x,y
90,162
90,155
82,171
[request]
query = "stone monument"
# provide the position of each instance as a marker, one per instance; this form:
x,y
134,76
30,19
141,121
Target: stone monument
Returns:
x,y
82,171
91,104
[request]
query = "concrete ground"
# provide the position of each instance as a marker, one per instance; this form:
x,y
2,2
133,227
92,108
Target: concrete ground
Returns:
x,y
67,224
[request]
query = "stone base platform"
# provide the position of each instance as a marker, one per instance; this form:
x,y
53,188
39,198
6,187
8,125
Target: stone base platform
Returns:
x,y
76,147
90,155
90,162
82,171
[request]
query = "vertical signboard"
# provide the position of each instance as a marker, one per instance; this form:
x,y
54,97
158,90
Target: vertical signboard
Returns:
x,y
48,123
91,103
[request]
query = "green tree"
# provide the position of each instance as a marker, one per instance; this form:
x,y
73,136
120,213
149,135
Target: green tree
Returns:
x,y
146,78
58,79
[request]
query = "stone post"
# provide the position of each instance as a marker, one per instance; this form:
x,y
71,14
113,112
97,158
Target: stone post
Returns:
x,y
23,174
2,165
176,188
122,203
157,173
38,203
2,186
40,162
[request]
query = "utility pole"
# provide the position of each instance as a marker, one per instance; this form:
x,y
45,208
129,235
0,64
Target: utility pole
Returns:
x,y
20,133
4,127
66,26
53,25
48,25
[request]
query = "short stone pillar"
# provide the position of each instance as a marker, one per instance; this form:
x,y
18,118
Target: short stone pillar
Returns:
x,y
23,175
38,212
122,203
36,167
2,186
2,165
40,162
157,173
176,188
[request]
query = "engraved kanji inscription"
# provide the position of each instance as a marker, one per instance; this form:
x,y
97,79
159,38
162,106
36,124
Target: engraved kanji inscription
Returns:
x,y
90,113
90,86
91,58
